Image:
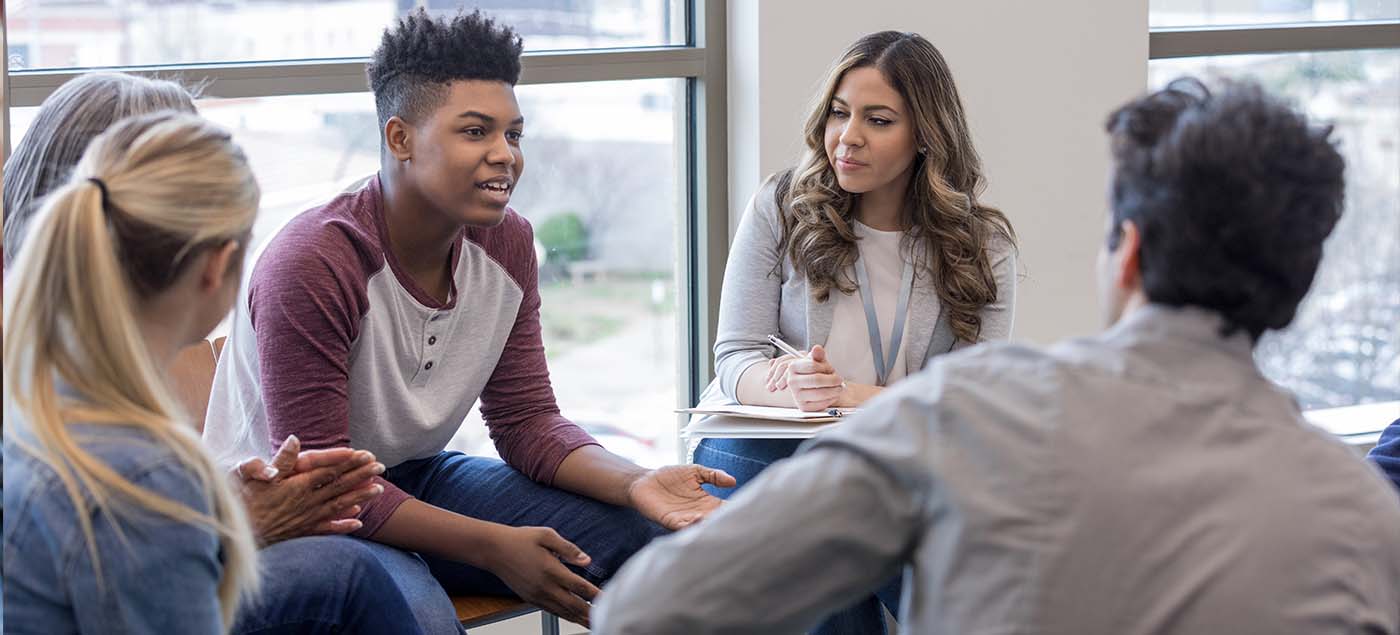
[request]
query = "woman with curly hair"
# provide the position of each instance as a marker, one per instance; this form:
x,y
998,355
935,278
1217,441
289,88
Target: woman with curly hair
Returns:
x,y
873,254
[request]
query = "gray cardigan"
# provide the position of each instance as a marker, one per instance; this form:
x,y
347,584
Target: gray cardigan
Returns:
x,y
755,303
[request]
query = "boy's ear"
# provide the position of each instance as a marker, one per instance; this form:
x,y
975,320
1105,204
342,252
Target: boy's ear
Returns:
x,y
398,137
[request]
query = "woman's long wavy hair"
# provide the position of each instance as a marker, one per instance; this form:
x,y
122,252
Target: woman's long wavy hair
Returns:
x,y
176,186
68,120
949,231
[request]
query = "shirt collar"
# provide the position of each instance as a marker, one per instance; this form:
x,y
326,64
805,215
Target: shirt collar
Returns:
x,y
1166,324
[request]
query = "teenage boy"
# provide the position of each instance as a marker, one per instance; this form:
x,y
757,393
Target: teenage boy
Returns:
x,y
378,319
1147,480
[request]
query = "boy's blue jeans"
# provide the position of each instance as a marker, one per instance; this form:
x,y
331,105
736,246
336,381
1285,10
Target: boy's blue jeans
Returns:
x,y
342,584
488,489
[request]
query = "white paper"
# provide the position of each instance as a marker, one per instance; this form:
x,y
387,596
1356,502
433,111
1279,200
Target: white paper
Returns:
x,y
761,412
727,426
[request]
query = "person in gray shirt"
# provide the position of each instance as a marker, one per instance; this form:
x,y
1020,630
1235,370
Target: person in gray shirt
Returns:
x,y
1146,480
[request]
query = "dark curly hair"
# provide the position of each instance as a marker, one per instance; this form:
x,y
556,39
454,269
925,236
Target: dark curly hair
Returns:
x,y
420,55
1233,194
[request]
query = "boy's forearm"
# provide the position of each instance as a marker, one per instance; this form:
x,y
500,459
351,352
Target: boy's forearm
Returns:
x,y
599,474
420,527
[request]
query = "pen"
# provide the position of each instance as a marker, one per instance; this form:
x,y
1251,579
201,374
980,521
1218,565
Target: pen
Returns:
x,y
784,346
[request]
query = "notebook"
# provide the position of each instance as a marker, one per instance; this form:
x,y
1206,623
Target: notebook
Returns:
x,y
758,422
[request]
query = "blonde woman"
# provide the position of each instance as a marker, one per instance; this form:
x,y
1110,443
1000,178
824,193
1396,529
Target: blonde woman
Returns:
x,y
873,255
312,582
118,521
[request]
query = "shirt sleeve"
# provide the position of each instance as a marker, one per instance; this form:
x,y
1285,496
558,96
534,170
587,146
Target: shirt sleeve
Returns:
x,y
305,304
157,575
751,296
813,532
518,402
810,534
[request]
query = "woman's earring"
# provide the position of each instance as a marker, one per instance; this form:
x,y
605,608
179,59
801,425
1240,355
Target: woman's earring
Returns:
x,y
923,150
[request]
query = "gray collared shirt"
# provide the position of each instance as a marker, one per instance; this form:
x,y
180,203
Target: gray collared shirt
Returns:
x,y
1148,480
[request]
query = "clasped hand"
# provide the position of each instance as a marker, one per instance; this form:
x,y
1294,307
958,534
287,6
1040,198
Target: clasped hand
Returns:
x,y
307,493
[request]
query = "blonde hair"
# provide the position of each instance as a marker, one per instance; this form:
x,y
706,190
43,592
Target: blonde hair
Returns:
x,y
176,185
949,228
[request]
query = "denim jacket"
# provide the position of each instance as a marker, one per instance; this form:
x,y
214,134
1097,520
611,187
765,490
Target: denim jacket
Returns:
x,y
157,575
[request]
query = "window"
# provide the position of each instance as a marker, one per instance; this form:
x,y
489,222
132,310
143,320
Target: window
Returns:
x,y
93,33
1196,13
1343,348
615,185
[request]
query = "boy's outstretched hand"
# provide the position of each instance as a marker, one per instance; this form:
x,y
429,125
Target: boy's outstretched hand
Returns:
x,y
672,495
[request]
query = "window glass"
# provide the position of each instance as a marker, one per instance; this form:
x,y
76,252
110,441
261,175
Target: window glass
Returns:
x,y
601,189
102,33
1187,13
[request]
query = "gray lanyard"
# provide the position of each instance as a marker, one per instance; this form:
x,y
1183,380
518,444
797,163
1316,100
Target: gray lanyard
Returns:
x,y
884,366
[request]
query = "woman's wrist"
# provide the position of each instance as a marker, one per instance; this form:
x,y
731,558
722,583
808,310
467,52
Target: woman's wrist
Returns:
x,y
855,395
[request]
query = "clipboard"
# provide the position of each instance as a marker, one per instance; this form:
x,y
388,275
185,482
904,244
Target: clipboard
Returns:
x,y
770,413
758,422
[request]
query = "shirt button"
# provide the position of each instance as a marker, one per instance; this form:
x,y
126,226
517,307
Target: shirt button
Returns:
x,y
432,340
428,366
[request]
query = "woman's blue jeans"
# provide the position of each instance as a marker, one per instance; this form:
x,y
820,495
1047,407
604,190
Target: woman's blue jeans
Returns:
x,y
744,459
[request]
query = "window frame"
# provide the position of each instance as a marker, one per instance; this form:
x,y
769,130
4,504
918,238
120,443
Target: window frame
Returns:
x,y
1209,41
701,62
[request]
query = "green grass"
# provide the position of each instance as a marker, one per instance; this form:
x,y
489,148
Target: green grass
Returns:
x,y
578,315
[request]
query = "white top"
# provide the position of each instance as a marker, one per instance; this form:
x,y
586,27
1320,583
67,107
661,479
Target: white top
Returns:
x,y
848,346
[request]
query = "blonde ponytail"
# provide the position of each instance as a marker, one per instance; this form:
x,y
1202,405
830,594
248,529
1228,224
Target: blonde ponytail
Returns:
x,y
174,184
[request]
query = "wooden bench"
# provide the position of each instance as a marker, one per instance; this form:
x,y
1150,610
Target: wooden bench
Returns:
x,y
192,378
475,611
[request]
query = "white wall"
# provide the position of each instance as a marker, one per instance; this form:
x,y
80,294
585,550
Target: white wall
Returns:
x,y
1037,79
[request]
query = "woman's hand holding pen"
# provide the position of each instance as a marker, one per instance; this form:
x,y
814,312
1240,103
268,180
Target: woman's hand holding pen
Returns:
x,y
777,372
811,380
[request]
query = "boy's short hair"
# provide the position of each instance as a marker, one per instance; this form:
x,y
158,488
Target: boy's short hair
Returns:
x,y
420,55
1233,193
